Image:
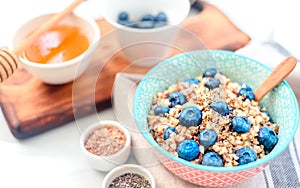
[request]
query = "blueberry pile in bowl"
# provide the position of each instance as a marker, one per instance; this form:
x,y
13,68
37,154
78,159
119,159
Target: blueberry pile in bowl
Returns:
x,y
210,120
277,117
147,21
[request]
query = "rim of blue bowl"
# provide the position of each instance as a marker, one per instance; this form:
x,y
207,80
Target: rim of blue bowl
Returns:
x,y
258,163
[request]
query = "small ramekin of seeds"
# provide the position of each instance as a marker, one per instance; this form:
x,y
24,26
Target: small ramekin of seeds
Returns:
x,y
129,175
106,144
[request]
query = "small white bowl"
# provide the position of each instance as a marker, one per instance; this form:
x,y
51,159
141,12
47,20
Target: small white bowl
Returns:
x,y
106,163
60,73
128,168
155,43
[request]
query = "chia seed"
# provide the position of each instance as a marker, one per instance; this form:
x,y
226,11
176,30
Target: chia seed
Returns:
x,y
130,180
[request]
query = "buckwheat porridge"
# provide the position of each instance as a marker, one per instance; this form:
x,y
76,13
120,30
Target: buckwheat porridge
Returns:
x,y
212,121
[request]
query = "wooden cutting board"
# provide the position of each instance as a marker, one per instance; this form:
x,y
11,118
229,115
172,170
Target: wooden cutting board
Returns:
x,y
31,107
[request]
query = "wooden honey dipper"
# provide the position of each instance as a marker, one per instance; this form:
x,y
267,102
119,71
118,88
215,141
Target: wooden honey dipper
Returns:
x,y
9,59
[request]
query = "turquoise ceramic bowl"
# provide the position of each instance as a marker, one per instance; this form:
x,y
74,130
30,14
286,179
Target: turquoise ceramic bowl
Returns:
x,y
280,102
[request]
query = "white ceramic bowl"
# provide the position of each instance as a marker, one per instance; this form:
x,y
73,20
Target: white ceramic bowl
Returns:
x,y
67,71
128,168
137,44
106,163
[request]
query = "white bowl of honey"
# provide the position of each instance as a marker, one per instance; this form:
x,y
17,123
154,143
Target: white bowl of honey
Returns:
x,y
61,54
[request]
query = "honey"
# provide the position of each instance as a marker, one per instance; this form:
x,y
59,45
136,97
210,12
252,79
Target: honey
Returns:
x,y
59,44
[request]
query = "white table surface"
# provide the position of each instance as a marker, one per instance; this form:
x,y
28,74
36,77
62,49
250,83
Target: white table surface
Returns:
x,y
51,159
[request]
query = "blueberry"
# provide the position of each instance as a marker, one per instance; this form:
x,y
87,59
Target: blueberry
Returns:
x,y
168,131
146,25
161,17
248,92
208,137
212,83
123,16
188,149
268,138
210,72
220,107
190,116
161,110
148,17
176,98
197,6
212,159
192,81
240,124
246,155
